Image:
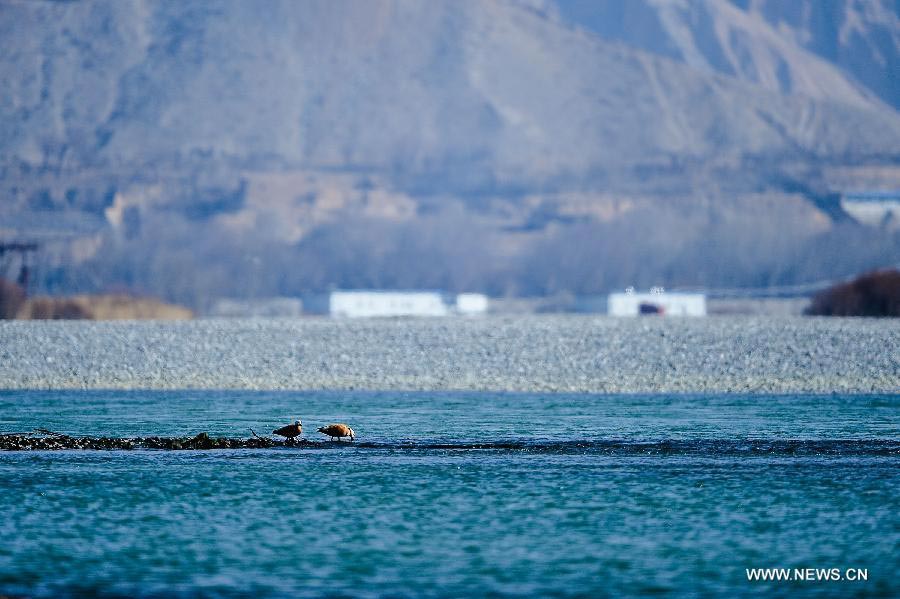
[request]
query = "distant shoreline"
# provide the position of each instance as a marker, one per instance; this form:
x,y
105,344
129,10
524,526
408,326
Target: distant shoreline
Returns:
x,y
527,354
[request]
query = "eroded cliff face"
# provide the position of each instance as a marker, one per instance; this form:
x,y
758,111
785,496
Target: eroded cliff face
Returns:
x,y
233,118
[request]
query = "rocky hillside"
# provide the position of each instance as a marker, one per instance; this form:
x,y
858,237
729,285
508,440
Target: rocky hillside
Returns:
x,y
281,121
514,90
862,37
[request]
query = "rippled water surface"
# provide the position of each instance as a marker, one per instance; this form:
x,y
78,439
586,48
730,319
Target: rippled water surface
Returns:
x,y
454,494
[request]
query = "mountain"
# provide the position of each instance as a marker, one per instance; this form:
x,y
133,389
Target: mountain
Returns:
x,y
862,37
279,122
807,48
418,87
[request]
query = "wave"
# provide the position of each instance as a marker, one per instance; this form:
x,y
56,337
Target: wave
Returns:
x,y
712,447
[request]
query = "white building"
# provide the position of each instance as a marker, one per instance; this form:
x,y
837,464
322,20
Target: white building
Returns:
x,y
666,304
875,208
471,304
359,304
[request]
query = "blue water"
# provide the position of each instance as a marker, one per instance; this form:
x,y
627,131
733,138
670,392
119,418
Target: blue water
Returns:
x,y
574,495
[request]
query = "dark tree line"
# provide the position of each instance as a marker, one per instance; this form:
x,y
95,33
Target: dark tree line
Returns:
x,y
193,264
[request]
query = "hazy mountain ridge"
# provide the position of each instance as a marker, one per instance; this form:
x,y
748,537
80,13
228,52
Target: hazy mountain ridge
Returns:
x,y
404,86
228,119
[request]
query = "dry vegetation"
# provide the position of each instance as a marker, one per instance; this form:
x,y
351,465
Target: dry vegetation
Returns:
x,y
11,299
873,294
14,305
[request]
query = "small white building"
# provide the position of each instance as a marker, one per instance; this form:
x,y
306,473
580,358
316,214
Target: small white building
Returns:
x,y
875,208
362,304
664,304
471,304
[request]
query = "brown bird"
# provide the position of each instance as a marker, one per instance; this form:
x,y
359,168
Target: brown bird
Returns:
x,y
336,431
290,431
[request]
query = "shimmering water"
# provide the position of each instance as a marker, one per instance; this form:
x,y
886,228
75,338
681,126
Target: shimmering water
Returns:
x,y
579,495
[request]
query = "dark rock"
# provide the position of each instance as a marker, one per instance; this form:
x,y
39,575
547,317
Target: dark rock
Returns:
x,y
202,441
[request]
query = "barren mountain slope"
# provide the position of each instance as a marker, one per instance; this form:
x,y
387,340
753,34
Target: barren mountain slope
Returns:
x,y
402,86
223,126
